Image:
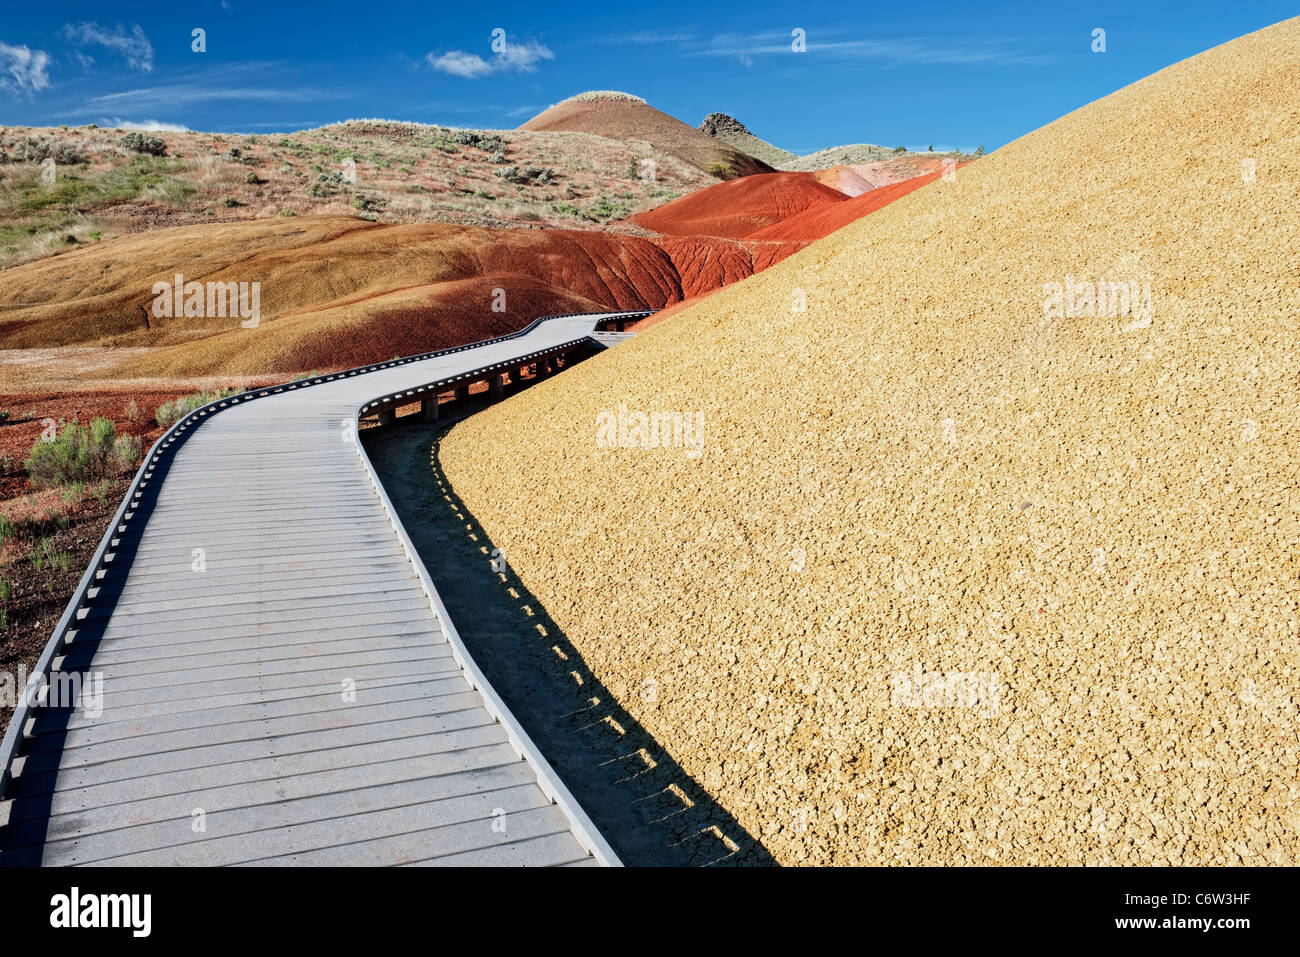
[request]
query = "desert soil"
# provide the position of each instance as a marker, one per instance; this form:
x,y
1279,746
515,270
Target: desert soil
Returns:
x,y
932,473
638,797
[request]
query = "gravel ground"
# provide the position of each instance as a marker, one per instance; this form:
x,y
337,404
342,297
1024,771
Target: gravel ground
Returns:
x,y
958,576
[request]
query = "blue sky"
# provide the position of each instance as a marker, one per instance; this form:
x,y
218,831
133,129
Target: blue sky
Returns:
x,y
916,73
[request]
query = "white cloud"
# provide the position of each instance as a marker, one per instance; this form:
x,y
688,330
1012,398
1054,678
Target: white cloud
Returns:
x,y
514,57
460,63
149,125
523,57
134,46
901,50
646,38
22,70
180,95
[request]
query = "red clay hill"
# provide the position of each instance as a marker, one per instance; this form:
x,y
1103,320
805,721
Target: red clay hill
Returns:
x,y
334,292
740,207
772,207
821,221
622,116
337,290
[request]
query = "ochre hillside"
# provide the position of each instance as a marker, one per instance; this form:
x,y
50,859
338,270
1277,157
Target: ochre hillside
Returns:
x,y
337,291
964,572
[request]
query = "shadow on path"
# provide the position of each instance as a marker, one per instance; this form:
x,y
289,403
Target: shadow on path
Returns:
x,y
649,809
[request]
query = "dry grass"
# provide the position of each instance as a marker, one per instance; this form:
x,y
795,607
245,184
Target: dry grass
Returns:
x,y
400,173
926,472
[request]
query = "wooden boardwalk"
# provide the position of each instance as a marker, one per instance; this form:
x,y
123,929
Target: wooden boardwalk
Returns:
x,y
280,682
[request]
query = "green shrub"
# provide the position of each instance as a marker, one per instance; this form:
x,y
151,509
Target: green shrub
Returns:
x,y
529,174
77,453
173,410
138,142
100,492
126,452
47,553
484,141
35,149
604,209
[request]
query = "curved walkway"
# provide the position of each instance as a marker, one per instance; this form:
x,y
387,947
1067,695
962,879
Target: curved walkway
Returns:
x,y
280,681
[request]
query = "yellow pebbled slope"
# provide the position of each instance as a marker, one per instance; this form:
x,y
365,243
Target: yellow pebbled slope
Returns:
x,y
1092,520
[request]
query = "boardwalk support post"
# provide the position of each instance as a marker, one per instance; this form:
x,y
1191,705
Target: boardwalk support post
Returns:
x,y
497,387
429,409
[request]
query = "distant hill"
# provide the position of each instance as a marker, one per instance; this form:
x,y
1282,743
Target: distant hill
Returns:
x,y
384,170
859,178
852,154
733,132
621,116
